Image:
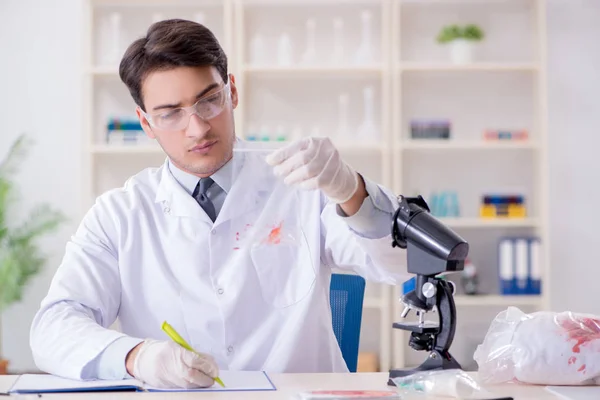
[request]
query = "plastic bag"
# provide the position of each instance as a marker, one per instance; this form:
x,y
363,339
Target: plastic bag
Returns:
x,y
546,348
270,209
453,383
269,226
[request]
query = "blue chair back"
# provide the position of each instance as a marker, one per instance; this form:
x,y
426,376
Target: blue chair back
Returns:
x,y
346,298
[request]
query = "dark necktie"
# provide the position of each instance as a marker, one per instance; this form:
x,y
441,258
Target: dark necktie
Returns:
x,y
202,199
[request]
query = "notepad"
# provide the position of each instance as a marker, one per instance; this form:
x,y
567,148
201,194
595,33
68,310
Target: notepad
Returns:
x,y
575,392
234,381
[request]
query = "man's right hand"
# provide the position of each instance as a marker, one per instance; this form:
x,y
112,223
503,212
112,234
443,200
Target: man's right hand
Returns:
x,y
165,364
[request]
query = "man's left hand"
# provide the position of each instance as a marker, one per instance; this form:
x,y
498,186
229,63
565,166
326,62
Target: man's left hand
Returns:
x,y
315,163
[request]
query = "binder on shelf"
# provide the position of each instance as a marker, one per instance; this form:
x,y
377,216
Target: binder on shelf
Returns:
x,y
506,251
519,266
535,262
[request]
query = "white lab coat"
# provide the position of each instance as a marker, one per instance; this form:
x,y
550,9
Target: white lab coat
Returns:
x,y
146,253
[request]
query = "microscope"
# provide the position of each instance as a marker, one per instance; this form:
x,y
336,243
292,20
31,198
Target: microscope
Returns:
x,y
432,249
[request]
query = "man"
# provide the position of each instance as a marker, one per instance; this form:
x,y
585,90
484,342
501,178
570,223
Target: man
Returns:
x,y
160,248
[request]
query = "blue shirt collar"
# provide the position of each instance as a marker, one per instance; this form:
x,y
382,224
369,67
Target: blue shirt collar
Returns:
x,y
222,177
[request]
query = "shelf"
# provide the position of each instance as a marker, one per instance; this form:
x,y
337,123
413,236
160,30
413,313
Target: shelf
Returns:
x,y
317,69
457,2
441,144
497,300
490,223
304,3
344,145
100,70
133,149
483,67
156,3
272,69
126,149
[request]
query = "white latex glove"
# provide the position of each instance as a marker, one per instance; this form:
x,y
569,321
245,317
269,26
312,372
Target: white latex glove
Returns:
x,y
315,163
165,364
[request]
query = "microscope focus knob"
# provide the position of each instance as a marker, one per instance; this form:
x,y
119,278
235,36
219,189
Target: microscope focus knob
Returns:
x,y
429,290
453,285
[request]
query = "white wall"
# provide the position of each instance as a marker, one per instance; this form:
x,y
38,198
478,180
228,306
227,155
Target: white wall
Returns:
x,y
40,92
574,84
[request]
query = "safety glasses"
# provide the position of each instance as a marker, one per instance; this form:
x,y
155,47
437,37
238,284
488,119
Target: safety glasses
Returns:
x,y
206,108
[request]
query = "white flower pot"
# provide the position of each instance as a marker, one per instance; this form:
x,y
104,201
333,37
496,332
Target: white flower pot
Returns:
x,y
461,51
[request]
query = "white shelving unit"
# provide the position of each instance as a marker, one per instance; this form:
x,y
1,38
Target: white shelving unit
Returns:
x,y
410,76
511,65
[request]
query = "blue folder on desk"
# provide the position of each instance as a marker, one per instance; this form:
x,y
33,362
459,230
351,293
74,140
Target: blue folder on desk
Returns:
x,y
234,381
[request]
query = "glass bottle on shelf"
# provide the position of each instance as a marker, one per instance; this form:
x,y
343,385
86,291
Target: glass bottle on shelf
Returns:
x,y
252,133
280,134
257,50
367,131
114,52
265,133
337,55
364,54
284,50
310,54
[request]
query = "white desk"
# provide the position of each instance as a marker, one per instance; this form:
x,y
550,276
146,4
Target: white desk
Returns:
x,y
288,385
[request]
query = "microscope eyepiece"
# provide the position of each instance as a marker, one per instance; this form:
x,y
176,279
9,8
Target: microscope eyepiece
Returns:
x,y
430,238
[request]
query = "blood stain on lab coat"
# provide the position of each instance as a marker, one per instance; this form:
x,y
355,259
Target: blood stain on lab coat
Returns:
x,y
581,368
275,235
572,360
583,331
238,235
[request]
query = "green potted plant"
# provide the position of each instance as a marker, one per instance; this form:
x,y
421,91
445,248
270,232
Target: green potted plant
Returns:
x,y
461,40
20,257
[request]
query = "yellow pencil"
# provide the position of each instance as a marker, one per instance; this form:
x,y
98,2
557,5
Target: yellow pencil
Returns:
x,y
169,330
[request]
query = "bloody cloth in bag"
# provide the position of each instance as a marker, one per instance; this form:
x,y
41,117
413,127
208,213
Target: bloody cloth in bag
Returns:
x,y
546,348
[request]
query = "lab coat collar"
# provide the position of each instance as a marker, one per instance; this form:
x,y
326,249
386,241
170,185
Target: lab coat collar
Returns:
x,y
175,199
249,185
223,177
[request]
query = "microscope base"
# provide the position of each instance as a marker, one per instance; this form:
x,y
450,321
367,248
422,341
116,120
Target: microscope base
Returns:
x,y
434,362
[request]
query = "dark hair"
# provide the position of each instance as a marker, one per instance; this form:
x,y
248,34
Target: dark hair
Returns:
x,y
169,44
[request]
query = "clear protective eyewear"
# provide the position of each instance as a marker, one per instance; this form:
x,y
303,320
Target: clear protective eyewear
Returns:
x,y
206,108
